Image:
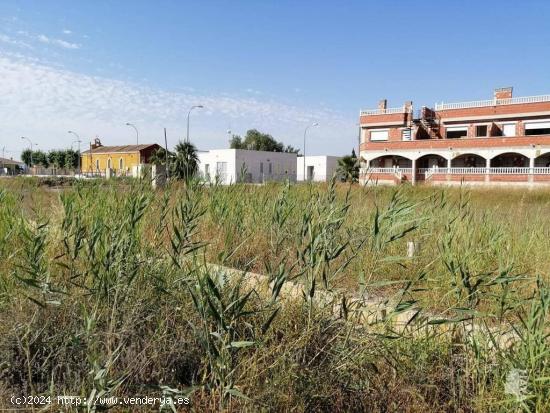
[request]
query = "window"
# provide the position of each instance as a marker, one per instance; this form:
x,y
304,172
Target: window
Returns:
x,y
120,164
270,168
97,164
481,131
221,170
379,135
457,132
509,129
207,170
537,128
261,167
109,163
406,134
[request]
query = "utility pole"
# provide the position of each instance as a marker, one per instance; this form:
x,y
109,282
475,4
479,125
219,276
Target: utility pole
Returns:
x,y
166,155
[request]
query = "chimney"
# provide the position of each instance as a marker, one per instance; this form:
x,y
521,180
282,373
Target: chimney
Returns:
x,y
408,105
503,93
383,104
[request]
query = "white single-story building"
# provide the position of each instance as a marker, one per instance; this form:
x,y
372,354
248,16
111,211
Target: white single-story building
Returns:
x,y
318,168
239,165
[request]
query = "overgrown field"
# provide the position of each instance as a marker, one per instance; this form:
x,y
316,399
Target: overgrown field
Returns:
x,y
110,289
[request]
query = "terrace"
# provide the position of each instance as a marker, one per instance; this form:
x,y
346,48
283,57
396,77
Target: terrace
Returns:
x,y
493,102
386,111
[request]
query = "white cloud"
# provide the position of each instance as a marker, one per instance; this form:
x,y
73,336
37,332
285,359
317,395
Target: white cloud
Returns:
x,y
43,102
14,42
57,42
67,31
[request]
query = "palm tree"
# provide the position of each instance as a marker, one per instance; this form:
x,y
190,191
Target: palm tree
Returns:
x,y
348,167
185,162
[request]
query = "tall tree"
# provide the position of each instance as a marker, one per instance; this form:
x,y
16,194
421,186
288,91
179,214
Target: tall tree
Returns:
x,y
56,158
185,163
26,157
40,158
71,159
258,141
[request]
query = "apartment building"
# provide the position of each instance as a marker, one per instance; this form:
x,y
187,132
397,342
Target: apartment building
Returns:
x,y
503,140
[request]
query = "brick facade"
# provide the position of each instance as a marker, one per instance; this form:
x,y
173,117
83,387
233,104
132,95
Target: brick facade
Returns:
x,y
489,129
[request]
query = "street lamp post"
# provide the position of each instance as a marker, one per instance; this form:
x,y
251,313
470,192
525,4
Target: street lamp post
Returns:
x,y
304,156
187,136
188,114
77,140
136,129
30,142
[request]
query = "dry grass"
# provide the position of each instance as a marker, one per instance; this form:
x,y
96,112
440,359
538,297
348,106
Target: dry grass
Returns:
x,y
104,289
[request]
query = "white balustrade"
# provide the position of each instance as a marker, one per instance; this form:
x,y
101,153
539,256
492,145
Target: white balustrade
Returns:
x,y
387,111
492,102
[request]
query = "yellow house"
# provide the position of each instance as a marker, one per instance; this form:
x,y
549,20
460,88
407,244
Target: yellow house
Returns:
x,y
120,159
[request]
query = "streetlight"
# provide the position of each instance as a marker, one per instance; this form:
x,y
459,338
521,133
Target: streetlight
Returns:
x,y
305,131
188,114
137,133
77,140
22,137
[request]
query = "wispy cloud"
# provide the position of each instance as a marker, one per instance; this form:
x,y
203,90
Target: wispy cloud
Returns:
x,y
57,42
14,42
67,31
45,102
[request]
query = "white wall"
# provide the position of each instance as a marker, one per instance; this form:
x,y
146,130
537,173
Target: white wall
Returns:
x,y
283,165
323,167
213,159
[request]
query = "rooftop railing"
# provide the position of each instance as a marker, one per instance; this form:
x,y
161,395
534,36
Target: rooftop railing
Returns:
x,y
387,111
492,102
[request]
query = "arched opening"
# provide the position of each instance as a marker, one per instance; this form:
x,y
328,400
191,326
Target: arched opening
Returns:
x,y
390,161
121,164
510,160
468,160
109,163
431,161
543,161
97,164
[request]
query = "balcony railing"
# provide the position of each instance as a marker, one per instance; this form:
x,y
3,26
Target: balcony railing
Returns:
x,y
492,102
387,111
392,170
507,170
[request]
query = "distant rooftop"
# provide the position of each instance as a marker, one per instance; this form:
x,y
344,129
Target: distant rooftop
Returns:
x,y
5,161
120,148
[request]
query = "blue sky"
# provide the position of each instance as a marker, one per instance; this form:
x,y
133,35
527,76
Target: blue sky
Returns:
x,y
272,65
